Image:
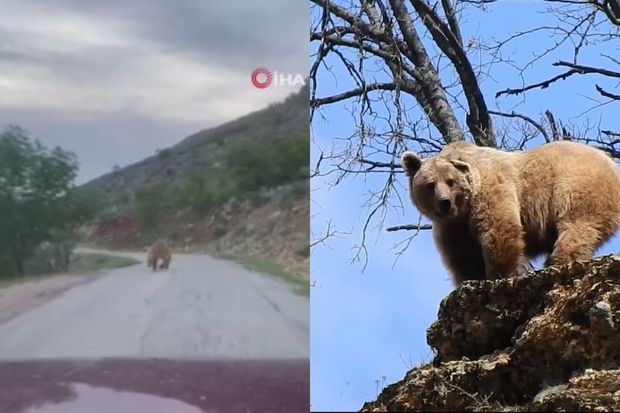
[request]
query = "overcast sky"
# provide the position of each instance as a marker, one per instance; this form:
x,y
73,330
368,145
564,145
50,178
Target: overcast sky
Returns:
x,y
113,81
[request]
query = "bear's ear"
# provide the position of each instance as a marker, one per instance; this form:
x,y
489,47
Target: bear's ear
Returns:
x,y
411,163
460,165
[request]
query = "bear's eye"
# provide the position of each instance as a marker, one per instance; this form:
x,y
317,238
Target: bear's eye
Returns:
x,y
450,182
430,186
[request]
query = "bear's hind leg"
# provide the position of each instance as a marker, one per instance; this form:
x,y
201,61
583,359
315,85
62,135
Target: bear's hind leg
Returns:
x,y
576,241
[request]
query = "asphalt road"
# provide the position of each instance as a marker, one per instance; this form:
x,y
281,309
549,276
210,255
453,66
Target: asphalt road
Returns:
x,y
201,307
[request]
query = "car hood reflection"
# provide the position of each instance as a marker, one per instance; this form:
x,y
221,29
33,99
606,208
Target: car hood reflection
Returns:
x,y
93,399
154,386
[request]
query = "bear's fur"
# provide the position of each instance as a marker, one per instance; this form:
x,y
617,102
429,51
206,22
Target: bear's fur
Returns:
x,y
158,251
491,210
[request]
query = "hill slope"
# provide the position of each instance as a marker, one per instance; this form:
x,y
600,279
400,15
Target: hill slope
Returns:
x,y
239,188
201,152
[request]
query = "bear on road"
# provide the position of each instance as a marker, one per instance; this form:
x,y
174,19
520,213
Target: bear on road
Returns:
x,y
159,251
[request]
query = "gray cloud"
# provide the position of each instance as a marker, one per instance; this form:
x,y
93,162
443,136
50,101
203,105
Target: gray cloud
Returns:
x,y
101,140
169,68
233,34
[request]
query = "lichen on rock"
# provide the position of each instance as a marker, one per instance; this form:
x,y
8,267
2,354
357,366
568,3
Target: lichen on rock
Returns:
x,y
545,341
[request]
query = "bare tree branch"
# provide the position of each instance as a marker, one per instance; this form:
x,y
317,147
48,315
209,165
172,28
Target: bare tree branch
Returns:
x,y
329,234
553,125
452,21
380,164
581,69
433,91
478,118
357,92
543,85
513,114
409,228
611,8
478,1
607,94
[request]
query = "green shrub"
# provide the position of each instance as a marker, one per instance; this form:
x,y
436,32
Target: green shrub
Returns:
x,y
303,249
195,193
246,167
151,204
256,164
300,189
164,153
203,192
38,200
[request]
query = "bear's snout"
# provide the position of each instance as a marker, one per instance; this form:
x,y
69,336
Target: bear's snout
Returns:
x,y
444,205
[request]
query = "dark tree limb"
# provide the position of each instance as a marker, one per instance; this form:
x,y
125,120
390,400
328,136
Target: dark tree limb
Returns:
x,y
353,93
611,8
574,69
478,118
543,85
581,69
452,21
553,125
375,164
434,95
409,228
479,2
607,94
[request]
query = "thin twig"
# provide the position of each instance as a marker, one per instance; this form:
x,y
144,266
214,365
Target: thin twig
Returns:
x,y
410,228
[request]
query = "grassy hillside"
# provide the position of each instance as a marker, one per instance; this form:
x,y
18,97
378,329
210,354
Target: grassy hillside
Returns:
x,y
204,152
237,189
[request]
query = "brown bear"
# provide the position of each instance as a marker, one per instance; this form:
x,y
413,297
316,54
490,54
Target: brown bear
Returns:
x,y
491,210
158,251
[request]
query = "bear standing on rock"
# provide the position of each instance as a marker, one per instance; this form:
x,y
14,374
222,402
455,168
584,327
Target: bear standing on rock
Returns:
x,y
492,209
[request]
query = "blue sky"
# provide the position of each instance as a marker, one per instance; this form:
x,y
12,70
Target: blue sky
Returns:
x,y
368,328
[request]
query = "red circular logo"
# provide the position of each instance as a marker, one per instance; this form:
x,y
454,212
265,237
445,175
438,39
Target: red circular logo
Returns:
x,y
261,77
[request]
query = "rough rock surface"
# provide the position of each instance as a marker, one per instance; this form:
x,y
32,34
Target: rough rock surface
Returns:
x,y
546,341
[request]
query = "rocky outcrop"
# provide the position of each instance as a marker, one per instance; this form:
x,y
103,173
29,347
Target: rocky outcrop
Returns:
x,y
546,341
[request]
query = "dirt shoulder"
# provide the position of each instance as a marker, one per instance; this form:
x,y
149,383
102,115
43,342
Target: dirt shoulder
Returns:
x,y
22,296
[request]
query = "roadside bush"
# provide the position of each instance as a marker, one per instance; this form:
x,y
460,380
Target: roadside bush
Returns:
x,y
151,205
256,164
300,189
38,200
195,193
246,167
203,192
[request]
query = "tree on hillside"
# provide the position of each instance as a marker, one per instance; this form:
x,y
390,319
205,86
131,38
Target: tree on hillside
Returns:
x,y
151,203
413,81
258,164
37,200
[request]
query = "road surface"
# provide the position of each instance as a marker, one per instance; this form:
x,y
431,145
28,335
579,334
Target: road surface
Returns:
x,y
201,307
